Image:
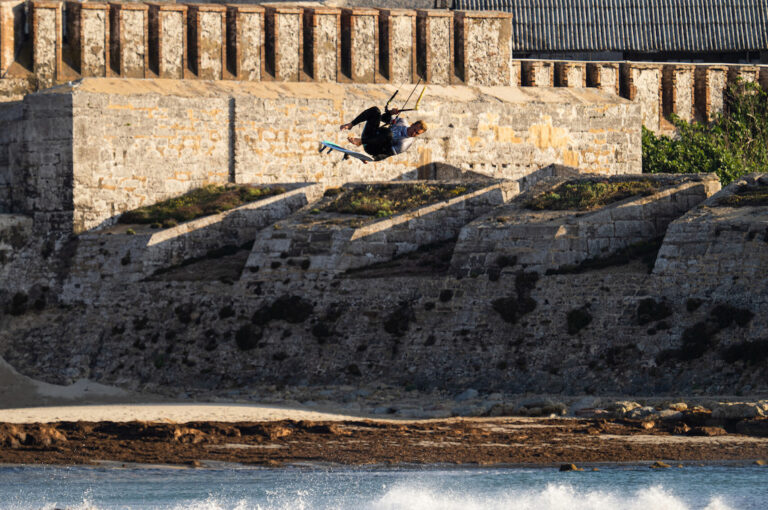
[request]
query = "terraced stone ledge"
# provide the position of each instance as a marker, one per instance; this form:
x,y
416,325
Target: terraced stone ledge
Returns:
x,y
134,252
317,242
515,237
723,235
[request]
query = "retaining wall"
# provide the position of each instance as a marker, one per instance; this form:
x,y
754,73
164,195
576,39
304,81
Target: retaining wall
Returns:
x,y
715,239
293,42
161,138
131,253
521,239
319,244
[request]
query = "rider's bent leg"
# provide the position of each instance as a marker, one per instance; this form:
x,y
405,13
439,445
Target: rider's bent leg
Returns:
x,y
372,119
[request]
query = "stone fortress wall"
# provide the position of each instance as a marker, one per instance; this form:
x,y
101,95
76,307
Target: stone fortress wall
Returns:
x,y
67,160
493,298
46,42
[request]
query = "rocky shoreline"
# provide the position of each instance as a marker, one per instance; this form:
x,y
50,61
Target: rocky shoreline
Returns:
x,y
620,431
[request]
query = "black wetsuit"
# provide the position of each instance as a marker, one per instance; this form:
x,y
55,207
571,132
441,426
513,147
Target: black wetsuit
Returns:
x,y
377,139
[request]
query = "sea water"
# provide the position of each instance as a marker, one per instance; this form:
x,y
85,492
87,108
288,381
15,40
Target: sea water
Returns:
x,y
624,487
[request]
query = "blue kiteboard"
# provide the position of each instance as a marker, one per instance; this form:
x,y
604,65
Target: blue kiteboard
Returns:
x,y
330,146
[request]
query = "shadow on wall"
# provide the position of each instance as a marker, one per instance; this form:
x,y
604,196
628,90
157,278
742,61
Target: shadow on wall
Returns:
x,y
445,172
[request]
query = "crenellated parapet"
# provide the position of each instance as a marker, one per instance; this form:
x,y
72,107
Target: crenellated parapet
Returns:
x,y
49,42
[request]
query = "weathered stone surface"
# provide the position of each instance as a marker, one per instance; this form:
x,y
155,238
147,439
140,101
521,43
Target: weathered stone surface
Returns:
x,y
435,46
737,410
712,239
47,40
642,83
283,41
554,240
398,36
484,47
360,44
168,39
129,43
322,46
88,30
207,40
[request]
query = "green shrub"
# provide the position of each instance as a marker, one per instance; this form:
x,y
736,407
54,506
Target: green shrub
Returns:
x,y
733,144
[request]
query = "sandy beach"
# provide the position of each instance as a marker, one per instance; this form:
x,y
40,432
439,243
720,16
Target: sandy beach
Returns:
x,y
164,412
87,423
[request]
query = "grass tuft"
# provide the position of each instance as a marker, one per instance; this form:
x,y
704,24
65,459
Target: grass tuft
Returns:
x,y
746,196
382,201
211,199
589,195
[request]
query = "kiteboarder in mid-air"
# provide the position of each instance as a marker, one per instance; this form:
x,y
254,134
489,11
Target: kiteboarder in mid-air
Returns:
x,y
383,136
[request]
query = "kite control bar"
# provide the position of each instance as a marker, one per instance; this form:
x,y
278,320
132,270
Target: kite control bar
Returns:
x,y
404,109
417,101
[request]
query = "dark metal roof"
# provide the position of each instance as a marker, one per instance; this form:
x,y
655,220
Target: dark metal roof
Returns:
x,y
633,25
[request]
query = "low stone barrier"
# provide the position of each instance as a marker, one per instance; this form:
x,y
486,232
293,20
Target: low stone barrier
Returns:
x,y
714,239
133,252
319,243
517,238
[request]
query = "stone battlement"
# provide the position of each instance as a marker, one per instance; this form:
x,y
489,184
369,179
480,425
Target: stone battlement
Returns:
x,y
296,43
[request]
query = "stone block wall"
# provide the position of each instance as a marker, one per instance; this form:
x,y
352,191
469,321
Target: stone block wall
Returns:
x,y
207,41
299,43
111,253
41,160
537,73
570,74
642,83
322,43
360,44
550,240
10,114
284,42
678,89
710,83
434,46
397,35
127,143
47,40
603,75
150,148
88,33
483,47
168,40
317,245
129,39
12,21
245,41
713,240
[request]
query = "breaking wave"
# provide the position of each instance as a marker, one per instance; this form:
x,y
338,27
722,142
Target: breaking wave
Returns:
x,y
382,490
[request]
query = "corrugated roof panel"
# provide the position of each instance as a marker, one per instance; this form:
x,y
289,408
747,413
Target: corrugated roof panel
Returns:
x,y
633,25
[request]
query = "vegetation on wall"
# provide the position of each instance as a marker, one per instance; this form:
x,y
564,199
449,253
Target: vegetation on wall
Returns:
x,y
590,194
384,200
211,199
733,144
746,196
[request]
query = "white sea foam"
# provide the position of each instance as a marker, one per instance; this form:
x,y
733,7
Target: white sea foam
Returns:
x,y
553,497
626,489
